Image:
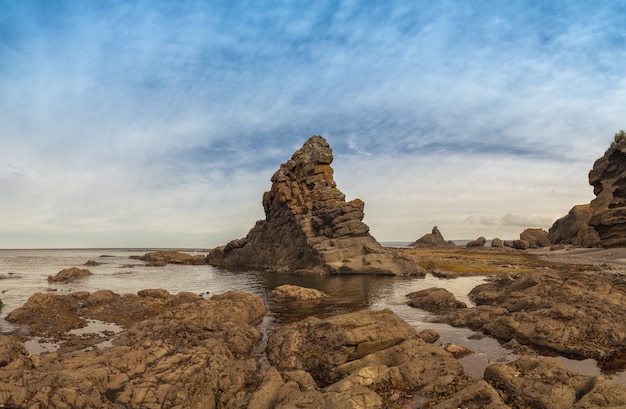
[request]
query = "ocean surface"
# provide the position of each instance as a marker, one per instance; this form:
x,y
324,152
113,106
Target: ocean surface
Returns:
x,y
25,272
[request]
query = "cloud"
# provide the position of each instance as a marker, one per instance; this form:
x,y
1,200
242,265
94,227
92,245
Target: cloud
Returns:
x,y
149,118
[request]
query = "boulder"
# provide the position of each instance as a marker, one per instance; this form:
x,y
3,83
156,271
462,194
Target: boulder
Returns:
x,y
566,229
536,237
289,292
545,383
520,244
479,242
434,299
432,239
569,313
309,227
69,275
496,242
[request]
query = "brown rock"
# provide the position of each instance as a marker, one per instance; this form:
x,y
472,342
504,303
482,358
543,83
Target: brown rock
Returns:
x,y
496,242
603,221
575,314
434,299
545,383
162,257
520,244
359,353
68,275
289,292
479,242
309,227
196,355
536,237
433,239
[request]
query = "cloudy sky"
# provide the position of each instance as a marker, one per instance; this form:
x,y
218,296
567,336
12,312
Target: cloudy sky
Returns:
x,y
159,123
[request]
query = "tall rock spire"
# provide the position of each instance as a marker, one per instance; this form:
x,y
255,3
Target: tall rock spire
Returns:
x,y
309,227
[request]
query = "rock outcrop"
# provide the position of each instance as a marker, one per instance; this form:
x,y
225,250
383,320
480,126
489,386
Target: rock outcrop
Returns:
x,y
288,292
309,228
603,222
432,239
163,257
545,383
196,355
570,313
69,275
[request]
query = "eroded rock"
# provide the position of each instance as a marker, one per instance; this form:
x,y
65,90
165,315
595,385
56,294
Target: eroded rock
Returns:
x,y
535,237
434,299
196,355
309,227
545,383
163,257
69,275
576,314
479,242
290,292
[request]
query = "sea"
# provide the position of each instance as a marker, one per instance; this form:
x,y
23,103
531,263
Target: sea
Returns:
x,y
25,272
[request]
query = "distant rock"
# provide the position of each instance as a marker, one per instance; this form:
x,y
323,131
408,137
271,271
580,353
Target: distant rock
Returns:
x,y
479,242
309,228
163,257
536,237
496,242
520,244
433,239
68,275
91,263
603,221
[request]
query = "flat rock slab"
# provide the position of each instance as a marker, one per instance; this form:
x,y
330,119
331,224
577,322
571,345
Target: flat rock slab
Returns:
x,y
577,314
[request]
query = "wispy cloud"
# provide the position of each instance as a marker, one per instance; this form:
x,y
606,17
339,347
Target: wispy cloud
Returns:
x,y
186,109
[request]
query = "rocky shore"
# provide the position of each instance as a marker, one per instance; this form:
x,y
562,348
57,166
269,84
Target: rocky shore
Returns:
x,y
183,351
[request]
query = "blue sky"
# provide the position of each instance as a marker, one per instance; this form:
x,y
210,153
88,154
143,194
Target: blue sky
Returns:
x,y
159,123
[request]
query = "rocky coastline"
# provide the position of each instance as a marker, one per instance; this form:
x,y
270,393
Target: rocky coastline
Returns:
x,y
187,351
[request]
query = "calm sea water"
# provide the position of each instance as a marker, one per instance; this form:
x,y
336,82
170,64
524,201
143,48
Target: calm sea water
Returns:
x,y
25,272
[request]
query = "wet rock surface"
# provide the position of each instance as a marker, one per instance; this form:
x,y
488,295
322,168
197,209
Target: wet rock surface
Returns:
x,y
69,275
196,355
544,383
289,292
434,299
309,228
575,314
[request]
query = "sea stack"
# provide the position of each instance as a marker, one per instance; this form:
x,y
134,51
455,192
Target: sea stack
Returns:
x,y
603,221
309,228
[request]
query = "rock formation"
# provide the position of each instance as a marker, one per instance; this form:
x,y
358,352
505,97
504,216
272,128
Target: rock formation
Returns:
x,y
69,275
574,314
535,237
433,239
434,299
603,221
288,292
309,228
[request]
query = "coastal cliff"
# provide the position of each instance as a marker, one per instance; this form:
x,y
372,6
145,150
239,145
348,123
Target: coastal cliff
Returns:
x,y
603,221
309,227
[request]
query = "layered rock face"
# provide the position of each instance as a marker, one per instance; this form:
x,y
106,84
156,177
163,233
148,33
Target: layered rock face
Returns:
x,y
603,221
309,227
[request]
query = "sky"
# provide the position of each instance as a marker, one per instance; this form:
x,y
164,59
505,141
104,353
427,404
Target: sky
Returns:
x,y
153,123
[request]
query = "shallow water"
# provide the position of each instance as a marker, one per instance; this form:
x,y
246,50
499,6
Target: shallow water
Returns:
x,y
25,272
